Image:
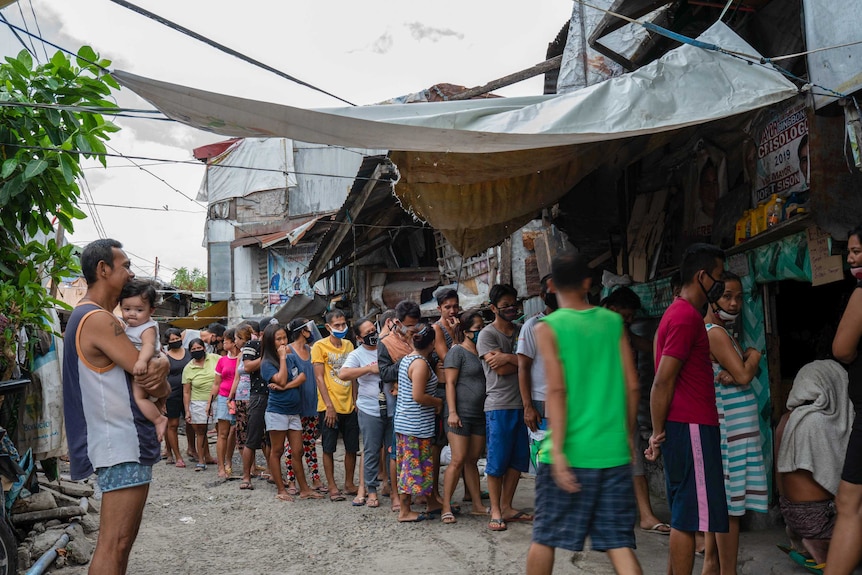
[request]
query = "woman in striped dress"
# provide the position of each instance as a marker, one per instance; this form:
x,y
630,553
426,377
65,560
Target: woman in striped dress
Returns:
x,y
415,409
741,454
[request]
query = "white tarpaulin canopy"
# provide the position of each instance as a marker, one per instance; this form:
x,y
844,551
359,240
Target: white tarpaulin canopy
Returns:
x,y
477,170
269,163
832,23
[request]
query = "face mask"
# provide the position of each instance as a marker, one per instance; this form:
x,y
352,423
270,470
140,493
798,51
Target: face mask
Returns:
x,y
726,316
340,334
175,344
473,336
551,301
510,314
856,273
198,354
371,339
715,292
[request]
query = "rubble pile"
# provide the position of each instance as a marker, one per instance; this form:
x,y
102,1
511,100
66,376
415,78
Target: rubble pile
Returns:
x,y
59,508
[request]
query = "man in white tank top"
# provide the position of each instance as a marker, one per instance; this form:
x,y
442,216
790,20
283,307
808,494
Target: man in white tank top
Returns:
x,y
106,431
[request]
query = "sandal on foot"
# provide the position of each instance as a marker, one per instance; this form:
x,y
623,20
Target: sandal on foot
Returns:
x,y
336,497
283,497
519,516
358,501
497,525
246,485
180,464
312,495
292,491
373,502
660,528
201,467
448,518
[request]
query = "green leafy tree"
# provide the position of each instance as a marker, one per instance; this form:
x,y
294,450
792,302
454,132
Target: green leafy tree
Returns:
x,y
194,280
49,118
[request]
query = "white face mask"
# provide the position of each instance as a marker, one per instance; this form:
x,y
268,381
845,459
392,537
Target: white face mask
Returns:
x,y
725,316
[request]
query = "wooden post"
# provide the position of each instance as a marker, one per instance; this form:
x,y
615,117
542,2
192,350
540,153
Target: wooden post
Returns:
x,y
546,66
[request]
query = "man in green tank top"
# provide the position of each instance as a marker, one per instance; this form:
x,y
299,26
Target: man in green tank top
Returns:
x,y
584,482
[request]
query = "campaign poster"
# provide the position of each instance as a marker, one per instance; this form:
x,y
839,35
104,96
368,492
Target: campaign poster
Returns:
x,y
781,152
288,273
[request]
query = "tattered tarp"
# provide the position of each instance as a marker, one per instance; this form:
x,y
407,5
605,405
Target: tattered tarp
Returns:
x,y
479,169
833,23
269,163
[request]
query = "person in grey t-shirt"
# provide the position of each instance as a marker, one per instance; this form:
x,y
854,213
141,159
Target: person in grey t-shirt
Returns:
x,y
531,368
508,446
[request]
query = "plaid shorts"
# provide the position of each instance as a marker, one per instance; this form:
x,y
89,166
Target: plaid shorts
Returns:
x,y
123,475
604,509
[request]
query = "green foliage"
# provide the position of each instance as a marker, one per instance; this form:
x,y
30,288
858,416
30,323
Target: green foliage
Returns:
x,y
194,280
39,164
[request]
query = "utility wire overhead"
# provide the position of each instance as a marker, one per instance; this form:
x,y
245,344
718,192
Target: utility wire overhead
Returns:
x,y
223,48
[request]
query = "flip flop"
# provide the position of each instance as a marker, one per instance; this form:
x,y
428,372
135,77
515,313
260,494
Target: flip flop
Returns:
x,y
497,525
336,497
420,517
354,492
170,461
292,491
181,464
373,502
483,511
201,467
434,512
283,497
246,485
358,501
321,489
312,495
518,517
658,528
448,518
265,476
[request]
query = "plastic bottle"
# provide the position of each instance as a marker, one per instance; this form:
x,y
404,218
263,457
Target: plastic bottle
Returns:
x,y
774,211
759,217
739,236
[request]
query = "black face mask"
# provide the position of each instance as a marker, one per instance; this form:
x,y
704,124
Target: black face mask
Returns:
x,y
714,293
198,354
551,301
371,339
508,313
175,344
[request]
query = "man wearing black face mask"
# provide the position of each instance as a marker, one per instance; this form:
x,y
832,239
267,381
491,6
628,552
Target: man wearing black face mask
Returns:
x,y
531,369
508,448
684,415
375,413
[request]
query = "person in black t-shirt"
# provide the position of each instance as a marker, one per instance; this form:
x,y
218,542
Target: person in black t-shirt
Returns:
x,y
256,437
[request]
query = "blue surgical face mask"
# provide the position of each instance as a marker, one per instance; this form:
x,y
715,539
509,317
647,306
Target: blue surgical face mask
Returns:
x,y
340,334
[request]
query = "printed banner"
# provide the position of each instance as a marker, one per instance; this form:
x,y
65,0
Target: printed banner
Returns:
x,y
781,152
288,273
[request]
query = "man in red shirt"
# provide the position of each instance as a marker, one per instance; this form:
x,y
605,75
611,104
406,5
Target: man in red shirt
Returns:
x,y
684,416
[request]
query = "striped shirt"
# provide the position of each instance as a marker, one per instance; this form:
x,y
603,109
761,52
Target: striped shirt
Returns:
x,y
104,426
412,418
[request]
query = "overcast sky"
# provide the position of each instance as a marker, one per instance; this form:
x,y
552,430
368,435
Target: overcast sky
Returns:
x,y
364,52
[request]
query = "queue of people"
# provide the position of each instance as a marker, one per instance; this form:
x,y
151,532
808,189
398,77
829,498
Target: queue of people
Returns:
x,y
570,371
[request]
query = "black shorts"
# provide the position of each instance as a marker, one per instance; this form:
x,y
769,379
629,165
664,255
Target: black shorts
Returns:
x,y
852,472
174,408
256,435
347,424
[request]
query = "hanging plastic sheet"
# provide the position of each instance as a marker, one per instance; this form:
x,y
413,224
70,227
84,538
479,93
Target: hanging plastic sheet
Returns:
x,y
477,170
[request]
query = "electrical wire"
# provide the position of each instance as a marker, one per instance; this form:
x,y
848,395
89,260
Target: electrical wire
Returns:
x,y
186,162
15,32
38,28
24,20
162,209
223,48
